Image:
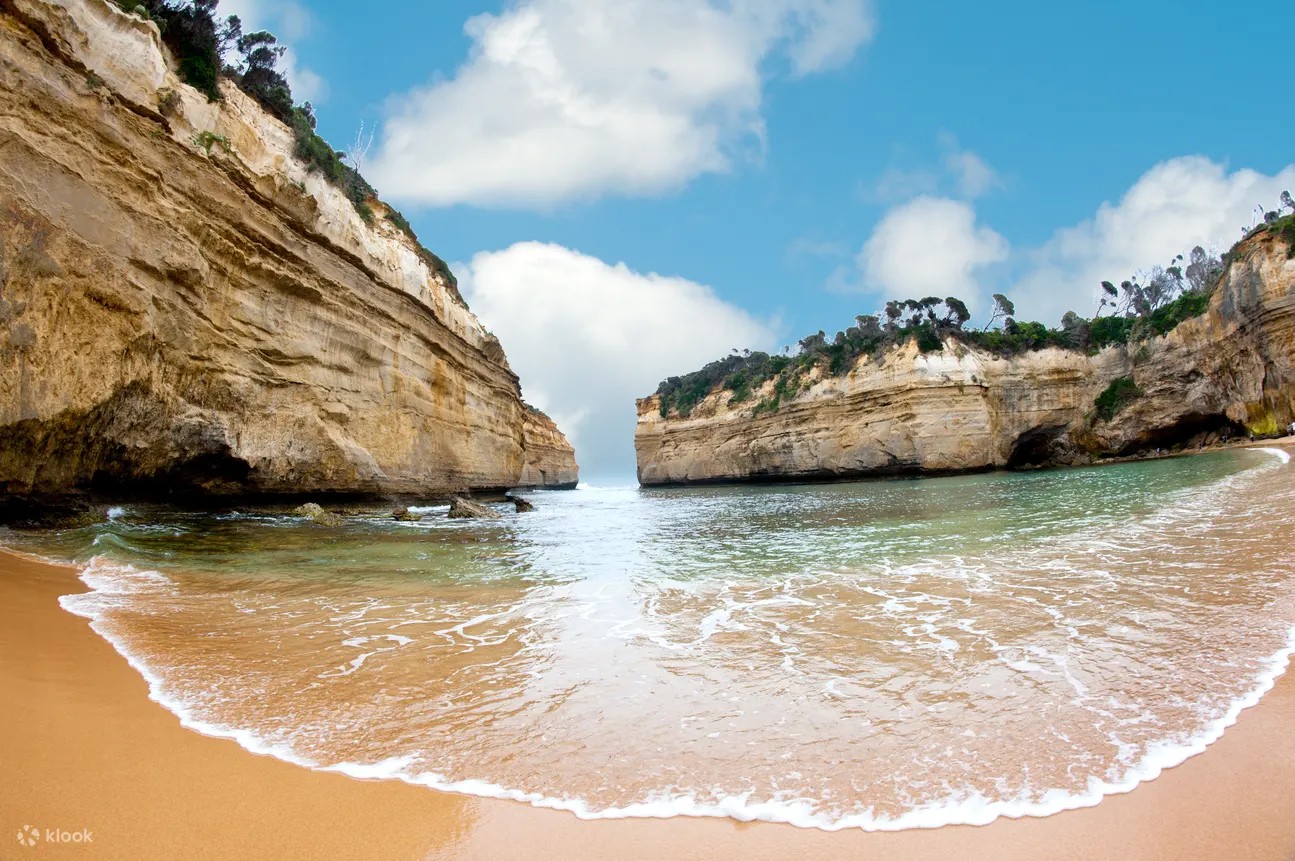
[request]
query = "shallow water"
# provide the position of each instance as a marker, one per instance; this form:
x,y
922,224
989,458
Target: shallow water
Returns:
x,y
881,655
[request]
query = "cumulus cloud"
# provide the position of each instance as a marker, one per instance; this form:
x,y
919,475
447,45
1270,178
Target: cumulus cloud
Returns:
x,y
973,174
568,99
930,246
960,173
1174,206
587,338
824,34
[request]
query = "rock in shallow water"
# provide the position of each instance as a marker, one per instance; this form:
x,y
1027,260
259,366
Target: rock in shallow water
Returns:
x,y
315,512
522,505
405,515
460,507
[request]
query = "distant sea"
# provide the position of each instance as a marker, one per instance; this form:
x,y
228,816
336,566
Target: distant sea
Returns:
x,y
883,655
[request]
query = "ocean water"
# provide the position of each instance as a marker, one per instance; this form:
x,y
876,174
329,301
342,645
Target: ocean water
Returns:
x,y
880,655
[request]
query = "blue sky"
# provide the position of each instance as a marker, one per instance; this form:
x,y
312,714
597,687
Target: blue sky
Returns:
x,y
786,164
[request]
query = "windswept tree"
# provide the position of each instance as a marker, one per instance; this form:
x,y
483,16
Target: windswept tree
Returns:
x,y
1076,330
893,311
1203,270
811,344
1108,296
868,327
958,314
259,75
227,36
1004,310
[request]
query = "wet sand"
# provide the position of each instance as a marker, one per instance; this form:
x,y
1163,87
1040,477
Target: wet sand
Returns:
x,y
84,748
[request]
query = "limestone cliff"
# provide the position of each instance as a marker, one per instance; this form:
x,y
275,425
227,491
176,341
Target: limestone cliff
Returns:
x,y
549,462
1230,370
185,308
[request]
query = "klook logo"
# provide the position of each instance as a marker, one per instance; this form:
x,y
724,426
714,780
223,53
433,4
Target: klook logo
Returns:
x,y
29,836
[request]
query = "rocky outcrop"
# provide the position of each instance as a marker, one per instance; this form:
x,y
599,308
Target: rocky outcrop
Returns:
x,y
313,511
550,460
1231,370
184,308
463,509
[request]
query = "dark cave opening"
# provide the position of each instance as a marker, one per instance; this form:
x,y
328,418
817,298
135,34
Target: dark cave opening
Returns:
x,y
211,473
1035,447
1190,430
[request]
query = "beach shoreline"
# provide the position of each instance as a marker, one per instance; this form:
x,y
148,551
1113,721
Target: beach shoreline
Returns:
x,y
89,753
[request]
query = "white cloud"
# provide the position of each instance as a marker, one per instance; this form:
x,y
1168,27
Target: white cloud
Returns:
x,y
587,337
897,183
961,173
290,22
1174,206
569,99
930,246
826,33
974,176
307,85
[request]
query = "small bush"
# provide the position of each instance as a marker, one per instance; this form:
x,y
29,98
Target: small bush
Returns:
x,y
928,340
1118,395
1284,228
1104,331
206,140
168,102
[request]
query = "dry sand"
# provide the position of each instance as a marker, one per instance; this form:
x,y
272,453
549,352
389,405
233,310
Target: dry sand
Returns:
x,y
83,747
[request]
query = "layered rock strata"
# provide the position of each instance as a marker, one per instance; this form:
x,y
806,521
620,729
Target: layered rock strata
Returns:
x,y
185,308
1229,371
549,461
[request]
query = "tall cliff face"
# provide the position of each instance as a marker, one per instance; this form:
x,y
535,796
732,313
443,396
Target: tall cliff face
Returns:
x,y
180,317
548,455
1233,368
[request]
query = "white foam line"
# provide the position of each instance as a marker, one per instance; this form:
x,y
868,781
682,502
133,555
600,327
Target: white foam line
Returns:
x,y
963,810
1282,453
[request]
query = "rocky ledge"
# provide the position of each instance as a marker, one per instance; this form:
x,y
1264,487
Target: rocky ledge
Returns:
x,y
1230,371
187,311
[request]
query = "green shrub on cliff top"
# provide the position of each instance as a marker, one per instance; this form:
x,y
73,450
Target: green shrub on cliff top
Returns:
x,y
319,156
190,31
1150,304
1284,228
200,44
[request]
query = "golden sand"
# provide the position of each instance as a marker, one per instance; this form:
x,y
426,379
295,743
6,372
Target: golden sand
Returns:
x,y
84,749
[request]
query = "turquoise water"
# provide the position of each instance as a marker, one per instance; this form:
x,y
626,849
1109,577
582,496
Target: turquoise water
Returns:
x,y
879,654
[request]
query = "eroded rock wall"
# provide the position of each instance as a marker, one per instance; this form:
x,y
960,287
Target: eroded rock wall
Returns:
x,y
549,461
960,409
178,317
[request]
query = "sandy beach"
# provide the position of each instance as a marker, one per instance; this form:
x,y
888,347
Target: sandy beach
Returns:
x,y
84,748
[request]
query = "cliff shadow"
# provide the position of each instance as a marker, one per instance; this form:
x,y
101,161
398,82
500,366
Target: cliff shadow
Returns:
x,y
1189,430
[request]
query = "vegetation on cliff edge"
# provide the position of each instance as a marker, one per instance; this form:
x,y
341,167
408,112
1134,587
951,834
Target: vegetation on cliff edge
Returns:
x,y
1149,304
207,49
